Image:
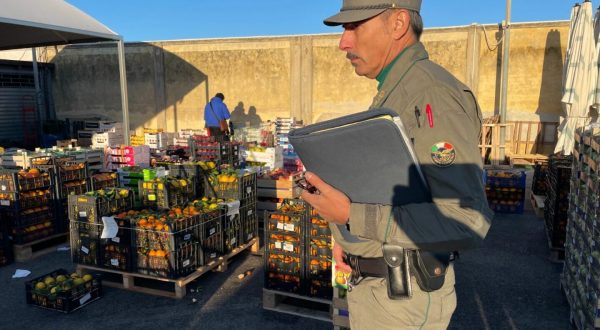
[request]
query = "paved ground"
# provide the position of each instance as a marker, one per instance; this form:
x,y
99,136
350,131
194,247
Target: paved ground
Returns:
x,y
508,284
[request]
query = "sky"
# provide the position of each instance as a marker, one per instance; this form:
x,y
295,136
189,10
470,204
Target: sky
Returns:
x,y
153,20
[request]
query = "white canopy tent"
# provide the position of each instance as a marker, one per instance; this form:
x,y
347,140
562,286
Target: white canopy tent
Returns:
x,y
37,23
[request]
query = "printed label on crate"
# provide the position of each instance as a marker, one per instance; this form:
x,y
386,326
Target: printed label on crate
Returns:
x,y
85,250
116,239
250,212
213,255
186,262
280,225
83,214
248,190
85,298
250,236
288,247
288,227
233,241
187,237
5,202
114,262
212,231
152,197
3,187
278,245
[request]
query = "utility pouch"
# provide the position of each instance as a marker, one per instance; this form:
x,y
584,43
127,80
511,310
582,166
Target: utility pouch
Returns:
x,y
429,269
398,272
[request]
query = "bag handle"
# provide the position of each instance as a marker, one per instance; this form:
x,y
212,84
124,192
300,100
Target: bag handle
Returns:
x,y
213,111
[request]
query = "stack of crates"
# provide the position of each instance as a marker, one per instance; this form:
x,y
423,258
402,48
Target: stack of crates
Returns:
x,y
205,148
104,180
556,205
117,252
6,251
212,235
27,204
318,256
285,250
70,178
85,216
505,190
540,172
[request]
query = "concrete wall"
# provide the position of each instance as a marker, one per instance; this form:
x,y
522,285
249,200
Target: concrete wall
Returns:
x,y
302,76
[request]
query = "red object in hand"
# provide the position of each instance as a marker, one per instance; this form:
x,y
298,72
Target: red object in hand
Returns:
x,y
429,115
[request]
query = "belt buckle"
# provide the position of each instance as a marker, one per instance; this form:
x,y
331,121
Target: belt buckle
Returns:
x,y
356,275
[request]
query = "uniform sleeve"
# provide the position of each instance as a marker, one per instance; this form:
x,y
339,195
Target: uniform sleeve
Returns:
x,y
458,217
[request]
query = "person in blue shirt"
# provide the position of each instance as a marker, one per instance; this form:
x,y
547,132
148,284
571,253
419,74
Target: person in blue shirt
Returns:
x,y
214,112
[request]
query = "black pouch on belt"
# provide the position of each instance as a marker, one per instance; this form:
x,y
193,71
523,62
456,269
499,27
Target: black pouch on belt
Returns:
x,y
398,272
429,269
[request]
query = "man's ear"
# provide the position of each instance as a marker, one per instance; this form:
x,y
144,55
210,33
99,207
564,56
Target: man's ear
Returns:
x,y
401,23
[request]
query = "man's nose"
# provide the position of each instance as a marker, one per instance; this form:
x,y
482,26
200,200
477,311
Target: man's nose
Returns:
x,y
346,40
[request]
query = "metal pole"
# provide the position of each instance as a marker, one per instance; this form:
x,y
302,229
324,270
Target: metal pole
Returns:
x,y
504,83
124,98
38,92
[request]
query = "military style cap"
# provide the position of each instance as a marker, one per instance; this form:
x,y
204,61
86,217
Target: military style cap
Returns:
x,y
360,10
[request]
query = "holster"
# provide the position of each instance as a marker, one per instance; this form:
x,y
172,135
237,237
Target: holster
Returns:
x,y
429,269
398,272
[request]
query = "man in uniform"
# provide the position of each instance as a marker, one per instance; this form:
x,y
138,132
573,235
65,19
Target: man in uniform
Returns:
x,y
443,120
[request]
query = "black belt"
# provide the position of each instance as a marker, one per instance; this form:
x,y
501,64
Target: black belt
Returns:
x,y
374,267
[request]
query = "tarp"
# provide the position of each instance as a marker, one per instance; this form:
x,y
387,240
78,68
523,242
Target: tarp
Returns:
x,y
580,77
36,23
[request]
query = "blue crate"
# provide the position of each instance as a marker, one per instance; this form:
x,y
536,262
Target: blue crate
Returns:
x,y
516,181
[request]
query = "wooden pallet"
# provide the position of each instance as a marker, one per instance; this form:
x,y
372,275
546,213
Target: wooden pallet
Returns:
x,y
294,304
28,251
160,286
537,202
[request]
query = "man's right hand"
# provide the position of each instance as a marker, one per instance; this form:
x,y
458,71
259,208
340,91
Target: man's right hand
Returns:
x,y
338,256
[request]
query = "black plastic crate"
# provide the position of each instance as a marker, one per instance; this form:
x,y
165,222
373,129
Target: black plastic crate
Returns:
x,y
85,250
284,282
212,236
284,262
249,223
232,230
284,243
319,247
167,236
69,296
104,180
29,227
167,194
242,188
181,262
117,256
13,181
318,227
93,208
319,288
189,171
27,199
318,268
285,222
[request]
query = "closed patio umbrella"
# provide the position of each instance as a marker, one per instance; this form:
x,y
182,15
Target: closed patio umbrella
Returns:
x,y
580,77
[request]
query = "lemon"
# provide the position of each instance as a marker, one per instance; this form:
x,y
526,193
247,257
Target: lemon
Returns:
x,y
61,278
87,277
40,285
49,280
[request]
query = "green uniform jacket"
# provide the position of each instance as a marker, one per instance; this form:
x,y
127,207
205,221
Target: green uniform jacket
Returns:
x,y
447,149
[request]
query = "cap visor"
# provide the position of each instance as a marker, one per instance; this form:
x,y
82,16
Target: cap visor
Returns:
x,y
351,16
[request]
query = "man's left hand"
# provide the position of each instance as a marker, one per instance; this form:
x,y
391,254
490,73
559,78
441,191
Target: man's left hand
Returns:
x,y
331,204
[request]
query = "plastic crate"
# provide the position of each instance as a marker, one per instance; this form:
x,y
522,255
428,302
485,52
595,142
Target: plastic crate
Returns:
x,y
319,288
181,262
188,171
505,179
516,208
85,250
249,223
168,236
167,194
69,298
27,199
104,180
242,189
232,230
116,256
317,227
284,243
11,181
319,247
318,268
32,226
284,282
92,208
212,236
285,222
284,263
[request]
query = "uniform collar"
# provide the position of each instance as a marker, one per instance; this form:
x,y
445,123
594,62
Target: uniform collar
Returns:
x,y
397,69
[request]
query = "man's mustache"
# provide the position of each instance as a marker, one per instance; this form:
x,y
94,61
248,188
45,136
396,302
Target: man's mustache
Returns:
x,y
351,56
